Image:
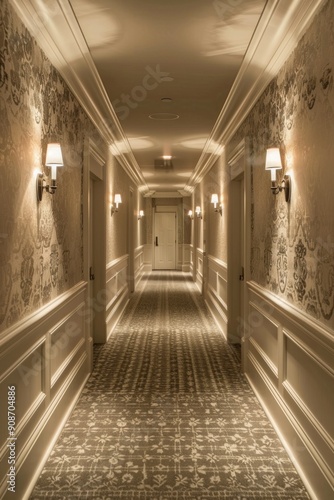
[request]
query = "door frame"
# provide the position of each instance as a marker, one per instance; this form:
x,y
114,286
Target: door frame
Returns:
x,y
131,250
165,209
239,169
94,314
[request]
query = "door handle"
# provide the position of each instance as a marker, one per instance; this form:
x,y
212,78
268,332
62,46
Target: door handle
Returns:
x,y
91,274
156,241
242,275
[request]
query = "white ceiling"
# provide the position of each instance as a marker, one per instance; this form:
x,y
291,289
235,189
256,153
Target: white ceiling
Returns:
x,y
211,60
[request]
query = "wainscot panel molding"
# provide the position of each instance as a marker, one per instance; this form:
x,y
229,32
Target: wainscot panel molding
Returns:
x,y
117,291
216,293
192,259
45,357
290,366
139,263
179,256
148,257
200,269
186,257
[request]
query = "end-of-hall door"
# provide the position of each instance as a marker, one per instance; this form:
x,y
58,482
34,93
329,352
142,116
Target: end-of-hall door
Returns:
x,y
164,240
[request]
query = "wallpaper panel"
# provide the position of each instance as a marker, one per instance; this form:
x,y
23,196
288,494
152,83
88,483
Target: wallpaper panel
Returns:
x,y
292,244
40,243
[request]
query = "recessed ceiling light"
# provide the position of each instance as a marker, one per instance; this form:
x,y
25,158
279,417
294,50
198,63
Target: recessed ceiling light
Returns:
x,y
167,157
164,116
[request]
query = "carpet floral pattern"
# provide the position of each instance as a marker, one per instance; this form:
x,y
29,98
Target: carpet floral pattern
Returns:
x,y
166,414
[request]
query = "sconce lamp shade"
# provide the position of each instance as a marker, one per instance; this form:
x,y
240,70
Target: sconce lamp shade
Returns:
x,y
190,214
54,158
117,199
214,199
54,155
273,161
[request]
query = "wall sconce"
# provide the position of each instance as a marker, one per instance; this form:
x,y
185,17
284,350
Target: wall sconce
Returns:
x,y
190,214
273,163
141,214
53,159
214,200
198,212
117,201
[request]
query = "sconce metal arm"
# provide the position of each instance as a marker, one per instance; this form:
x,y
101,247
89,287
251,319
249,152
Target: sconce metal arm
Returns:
x,y
41,185
284,186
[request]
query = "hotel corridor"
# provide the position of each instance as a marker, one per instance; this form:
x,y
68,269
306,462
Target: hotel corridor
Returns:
x,y
167,414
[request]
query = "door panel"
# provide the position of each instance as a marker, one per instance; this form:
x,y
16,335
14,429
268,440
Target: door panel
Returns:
x,y
164,241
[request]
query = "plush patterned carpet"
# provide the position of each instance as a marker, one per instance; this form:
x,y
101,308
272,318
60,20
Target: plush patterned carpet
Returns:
x,y
166,415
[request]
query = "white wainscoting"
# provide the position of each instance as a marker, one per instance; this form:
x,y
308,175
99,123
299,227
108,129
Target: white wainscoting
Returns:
x,y
289,362
216,291
192,259
186,257
45,357
179,256
117,291
200,269
139,263
148,257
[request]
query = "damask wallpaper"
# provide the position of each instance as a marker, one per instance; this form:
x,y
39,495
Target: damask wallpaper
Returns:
x,y
40,243
292,251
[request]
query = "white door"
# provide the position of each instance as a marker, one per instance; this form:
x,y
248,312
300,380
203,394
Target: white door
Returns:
x,y
164,241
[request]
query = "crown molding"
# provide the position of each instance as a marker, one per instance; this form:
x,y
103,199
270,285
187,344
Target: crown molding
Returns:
x,y
279,29
56,30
